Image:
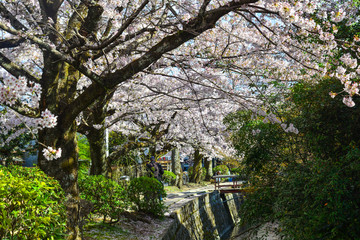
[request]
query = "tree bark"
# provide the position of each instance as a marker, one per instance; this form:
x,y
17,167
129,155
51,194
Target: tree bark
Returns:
x,y
197,167
95,116
209,169
96,138
65,170
176,167
59,82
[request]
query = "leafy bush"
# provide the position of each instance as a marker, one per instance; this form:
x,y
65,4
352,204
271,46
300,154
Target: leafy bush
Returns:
x,y
169,177
309,182
84,148
315,200
222,168
108,197
236,170
239,172
83,170
31,205
325,204
147,194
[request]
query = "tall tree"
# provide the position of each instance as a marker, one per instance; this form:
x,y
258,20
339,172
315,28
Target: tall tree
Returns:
x,y
176,167
197,167
209,168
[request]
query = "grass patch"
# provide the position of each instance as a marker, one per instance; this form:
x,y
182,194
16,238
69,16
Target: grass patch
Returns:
x,y
105,231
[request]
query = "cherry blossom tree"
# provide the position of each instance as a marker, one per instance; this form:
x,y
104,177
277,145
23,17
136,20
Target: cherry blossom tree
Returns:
x,y
64,60
165,105
71,39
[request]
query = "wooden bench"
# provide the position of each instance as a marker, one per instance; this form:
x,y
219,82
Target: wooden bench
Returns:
x,y
233,186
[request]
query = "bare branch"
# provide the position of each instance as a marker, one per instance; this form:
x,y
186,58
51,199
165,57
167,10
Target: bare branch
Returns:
x,y
192,29
14,22
24,110
118,41
257,27
91,75
11,43
16,70
203,7
263,10
127,23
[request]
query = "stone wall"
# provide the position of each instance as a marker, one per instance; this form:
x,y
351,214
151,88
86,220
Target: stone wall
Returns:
x,y
208,217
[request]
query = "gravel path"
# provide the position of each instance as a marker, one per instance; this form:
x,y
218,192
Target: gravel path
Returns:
x,y
176,200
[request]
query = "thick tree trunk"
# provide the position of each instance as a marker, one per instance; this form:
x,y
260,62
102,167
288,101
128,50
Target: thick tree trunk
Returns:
x,y
96,138
176,167
59,82
197,168
65,170
209,169
95,116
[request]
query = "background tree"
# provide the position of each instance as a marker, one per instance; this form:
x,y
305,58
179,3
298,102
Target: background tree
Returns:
x,y
195,177
208,165
307,182
176,167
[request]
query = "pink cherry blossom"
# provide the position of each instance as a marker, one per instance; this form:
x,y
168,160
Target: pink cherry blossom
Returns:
x,y
347,100
51,154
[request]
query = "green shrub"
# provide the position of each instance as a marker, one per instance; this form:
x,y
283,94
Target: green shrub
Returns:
x,y
147,194
222,168
169,177
83,170
240,173
31,205
84,147
108,197
308,183
235,170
